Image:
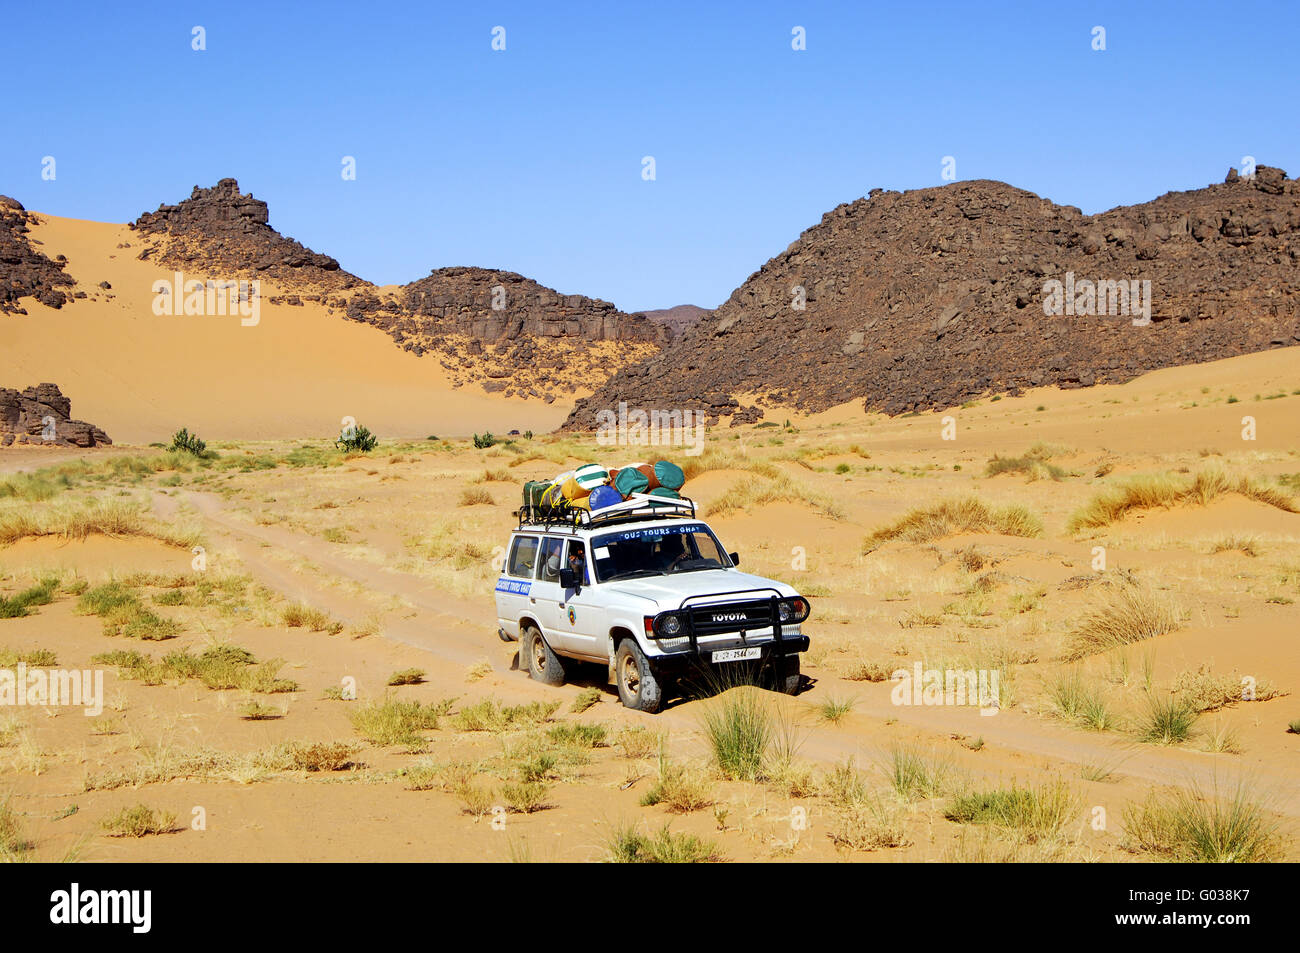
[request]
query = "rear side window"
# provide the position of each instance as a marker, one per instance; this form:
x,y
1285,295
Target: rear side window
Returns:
x,y
551,563
523,556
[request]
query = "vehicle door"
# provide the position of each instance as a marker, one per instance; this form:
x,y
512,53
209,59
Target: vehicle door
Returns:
x,y
581,613
514,586
547,599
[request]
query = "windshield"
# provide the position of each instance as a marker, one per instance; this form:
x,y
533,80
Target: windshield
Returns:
x,y
657,551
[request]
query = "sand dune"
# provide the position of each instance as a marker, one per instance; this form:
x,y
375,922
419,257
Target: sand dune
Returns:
x,y
297,373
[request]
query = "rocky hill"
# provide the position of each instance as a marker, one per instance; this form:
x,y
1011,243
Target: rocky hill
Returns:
x,y
485,326
679,317
928,298
42,415
26,272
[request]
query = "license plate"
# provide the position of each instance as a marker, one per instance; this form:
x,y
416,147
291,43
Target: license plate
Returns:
x,y
738,655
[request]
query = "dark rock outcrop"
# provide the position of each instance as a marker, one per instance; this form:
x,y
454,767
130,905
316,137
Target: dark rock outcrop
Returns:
x,y
491,305
220,229
24,271
926,299
42,415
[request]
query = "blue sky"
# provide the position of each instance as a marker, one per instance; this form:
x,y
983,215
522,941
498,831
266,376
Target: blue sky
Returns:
x,y
530,159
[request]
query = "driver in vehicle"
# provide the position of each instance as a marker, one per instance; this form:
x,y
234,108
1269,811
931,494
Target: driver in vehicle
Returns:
x,y
578,562
672,552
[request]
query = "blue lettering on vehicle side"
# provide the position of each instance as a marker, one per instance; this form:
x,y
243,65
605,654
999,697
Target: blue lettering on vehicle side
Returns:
x,y
514,586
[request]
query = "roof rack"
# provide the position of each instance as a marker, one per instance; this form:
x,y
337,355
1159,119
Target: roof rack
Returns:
x,y
638,506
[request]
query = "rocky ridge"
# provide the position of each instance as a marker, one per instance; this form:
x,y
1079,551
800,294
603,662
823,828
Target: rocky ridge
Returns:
x,y
929,298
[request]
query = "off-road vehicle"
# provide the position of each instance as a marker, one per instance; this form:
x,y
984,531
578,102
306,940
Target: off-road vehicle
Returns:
x,y
645,588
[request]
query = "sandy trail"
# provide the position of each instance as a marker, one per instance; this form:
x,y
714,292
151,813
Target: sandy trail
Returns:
x,y
457,633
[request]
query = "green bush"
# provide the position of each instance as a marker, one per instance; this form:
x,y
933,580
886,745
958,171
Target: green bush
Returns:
x,y
20,604
482,442
356,439
186,442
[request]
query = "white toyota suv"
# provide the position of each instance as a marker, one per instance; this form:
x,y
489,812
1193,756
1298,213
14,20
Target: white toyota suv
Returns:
x,y
645,588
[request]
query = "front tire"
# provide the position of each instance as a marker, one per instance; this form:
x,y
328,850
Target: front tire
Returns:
x,y
638,686
786,676
543,664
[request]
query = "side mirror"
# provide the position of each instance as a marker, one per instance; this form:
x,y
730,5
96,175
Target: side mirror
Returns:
x,y
566,579
735,558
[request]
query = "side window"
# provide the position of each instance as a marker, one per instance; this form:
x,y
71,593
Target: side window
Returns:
x,y
577,560
548,567
523,556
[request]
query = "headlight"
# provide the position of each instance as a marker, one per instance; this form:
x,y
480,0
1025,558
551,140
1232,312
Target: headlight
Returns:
x,y
668,625
792,610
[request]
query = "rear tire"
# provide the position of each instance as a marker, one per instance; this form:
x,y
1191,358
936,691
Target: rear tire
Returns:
x,y
638,686
543,664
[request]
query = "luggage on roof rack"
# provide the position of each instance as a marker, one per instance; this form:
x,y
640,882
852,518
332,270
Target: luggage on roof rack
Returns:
x,y
639,506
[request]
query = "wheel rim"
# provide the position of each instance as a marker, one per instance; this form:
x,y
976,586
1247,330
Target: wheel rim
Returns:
x,y
630,674
539,654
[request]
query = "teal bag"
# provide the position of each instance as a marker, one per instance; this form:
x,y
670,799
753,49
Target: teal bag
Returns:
x,y
630,480
669,475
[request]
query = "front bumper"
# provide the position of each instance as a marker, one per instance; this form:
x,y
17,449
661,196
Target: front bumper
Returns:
x,y
675,663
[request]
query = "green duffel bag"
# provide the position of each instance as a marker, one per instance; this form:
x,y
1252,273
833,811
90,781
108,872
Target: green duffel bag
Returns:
x,y
669,475
630,480
533,490
666,493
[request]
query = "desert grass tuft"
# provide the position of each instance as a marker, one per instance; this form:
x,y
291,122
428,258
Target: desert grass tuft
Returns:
x,y
306,617
1034,811
20,603
678,788
626,844
123,613
12,842
526,797
106,518
739,727
1081,703
407,676
139,821
754,491
1035,463
579,735
835,710
1123,615
1166,490
1189,827
390,721
869,824
1167,721
587,698
950,517
637,742
913,776
488,715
